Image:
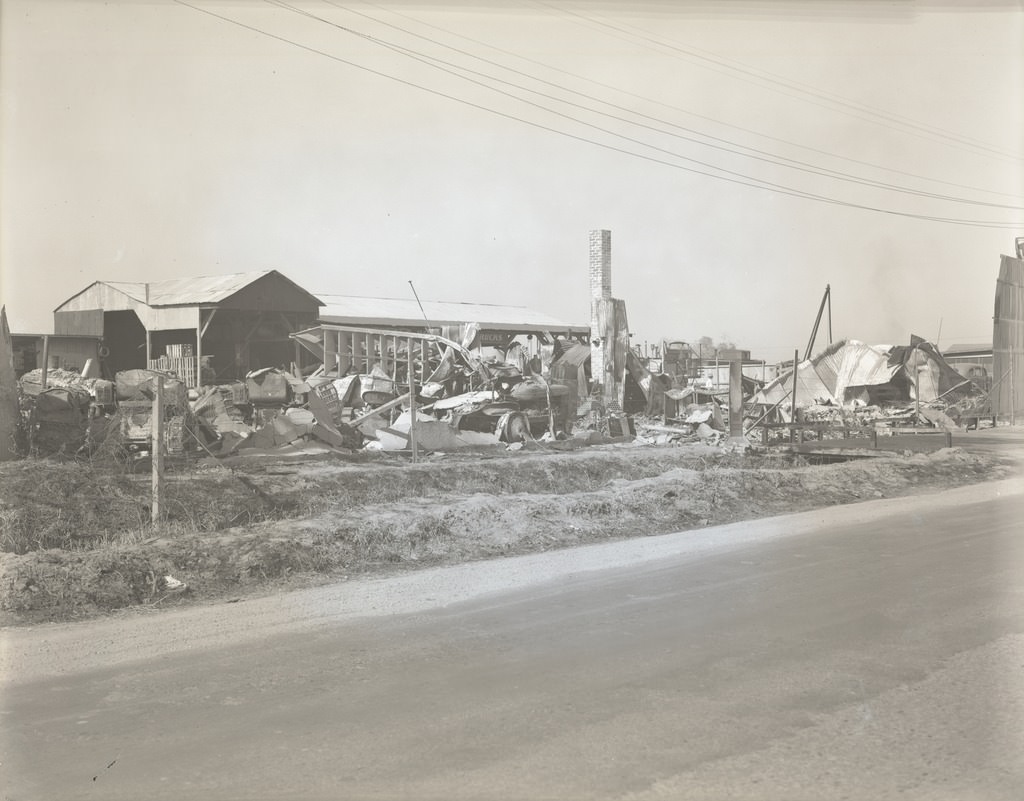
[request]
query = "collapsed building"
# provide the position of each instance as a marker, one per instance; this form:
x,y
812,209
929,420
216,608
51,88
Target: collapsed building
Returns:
x,y
254,360
871,381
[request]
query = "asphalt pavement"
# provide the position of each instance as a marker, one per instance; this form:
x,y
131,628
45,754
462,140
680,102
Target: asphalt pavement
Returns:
x,y
870,651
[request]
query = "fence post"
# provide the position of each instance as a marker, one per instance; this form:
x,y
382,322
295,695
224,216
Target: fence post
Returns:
x,y
412,402
792,431
156,428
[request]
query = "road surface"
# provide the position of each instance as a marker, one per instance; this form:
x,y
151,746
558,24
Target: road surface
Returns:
x,y
869,651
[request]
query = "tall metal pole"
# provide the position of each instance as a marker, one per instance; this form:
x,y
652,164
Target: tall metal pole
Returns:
x,y
416,295
828,291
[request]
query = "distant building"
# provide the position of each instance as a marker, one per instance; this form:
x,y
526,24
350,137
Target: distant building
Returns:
x,y
973,362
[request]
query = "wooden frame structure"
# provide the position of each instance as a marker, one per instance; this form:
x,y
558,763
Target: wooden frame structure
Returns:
x,y
406,357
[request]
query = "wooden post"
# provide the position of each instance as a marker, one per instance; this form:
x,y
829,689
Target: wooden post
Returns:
x,y
917,389
199,350
735,398
1013,390
412,409
156,428
46,360
149,347
796,359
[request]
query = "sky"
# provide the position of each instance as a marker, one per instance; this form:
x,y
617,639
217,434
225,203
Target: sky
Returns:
x,y
743,153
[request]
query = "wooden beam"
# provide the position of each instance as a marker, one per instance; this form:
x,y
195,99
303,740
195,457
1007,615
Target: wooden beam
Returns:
x,y
384,407
208,320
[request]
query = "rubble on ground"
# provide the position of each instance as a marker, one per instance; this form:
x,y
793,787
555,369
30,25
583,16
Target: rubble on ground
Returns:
x,y
466,401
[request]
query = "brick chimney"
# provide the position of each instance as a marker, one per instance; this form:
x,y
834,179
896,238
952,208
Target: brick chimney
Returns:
x,y
600,289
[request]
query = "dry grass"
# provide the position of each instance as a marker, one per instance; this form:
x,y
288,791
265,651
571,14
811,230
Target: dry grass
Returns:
x,y
79,543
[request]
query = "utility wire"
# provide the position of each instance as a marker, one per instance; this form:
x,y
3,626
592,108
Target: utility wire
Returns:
x,y
775,78
688,112
431,61
917,129
764,156
754,183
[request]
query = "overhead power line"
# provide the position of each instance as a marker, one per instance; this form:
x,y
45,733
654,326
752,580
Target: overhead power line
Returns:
x,y
688,112
728,147
747,181
804,92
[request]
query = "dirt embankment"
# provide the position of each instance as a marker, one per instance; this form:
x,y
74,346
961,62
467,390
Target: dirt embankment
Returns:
x,y
76,540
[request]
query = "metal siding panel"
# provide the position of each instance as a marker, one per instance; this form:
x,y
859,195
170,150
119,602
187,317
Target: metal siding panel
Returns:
x,y
88,322
1008,338
99,296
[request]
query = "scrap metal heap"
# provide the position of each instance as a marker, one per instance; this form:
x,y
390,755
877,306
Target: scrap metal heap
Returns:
x,y
880,386
461,400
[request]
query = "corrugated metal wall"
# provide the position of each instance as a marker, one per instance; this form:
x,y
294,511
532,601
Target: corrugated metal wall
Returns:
x,y
1008,340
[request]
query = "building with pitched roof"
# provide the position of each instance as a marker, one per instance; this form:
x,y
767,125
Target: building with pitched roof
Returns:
x,y
231,323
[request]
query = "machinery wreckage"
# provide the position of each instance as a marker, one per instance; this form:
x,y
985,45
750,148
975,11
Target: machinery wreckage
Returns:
x,y
360,395
372,389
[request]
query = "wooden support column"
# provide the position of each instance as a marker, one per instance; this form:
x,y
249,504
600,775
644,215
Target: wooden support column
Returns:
x,y
735,398
199,350
413,439
149,347
344,353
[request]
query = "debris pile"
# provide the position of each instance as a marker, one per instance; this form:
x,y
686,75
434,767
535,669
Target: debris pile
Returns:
x,y
873,386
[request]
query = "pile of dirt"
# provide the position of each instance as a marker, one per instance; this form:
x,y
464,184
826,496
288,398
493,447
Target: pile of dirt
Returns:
x,y
316,521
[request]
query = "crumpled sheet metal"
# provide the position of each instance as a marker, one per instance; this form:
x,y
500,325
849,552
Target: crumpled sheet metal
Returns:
x,y
862,366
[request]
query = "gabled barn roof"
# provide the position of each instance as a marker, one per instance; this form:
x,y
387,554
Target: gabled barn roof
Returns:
x,y
197,291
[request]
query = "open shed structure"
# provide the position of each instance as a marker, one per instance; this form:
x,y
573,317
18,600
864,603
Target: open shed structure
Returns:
x,y
231,324
497,325
354,333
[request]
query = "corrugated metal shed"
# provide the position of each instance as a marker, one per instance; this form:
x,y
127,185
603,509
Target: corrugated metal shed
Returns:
x,y
350,310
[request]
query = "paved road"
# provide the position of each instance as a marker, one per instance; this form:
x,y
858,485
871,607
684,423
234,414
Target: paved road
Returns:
x,y
873,651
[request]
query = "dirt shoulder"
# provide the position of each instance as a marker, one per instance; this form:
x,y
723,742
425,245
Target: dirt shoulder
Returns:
x,y
77,542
